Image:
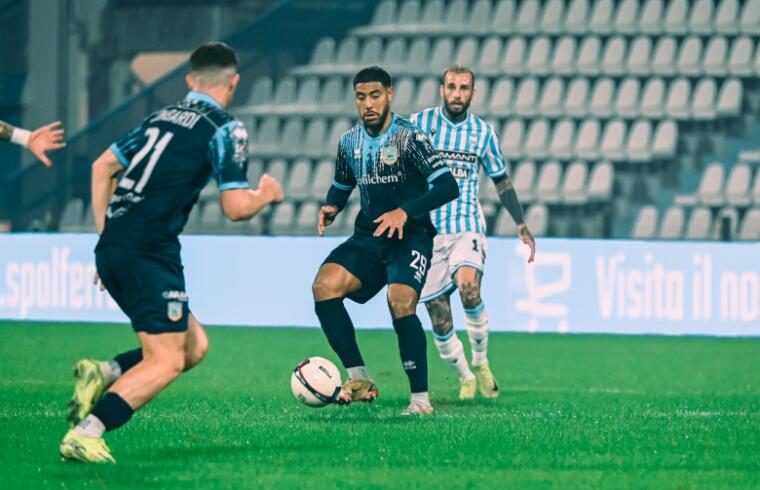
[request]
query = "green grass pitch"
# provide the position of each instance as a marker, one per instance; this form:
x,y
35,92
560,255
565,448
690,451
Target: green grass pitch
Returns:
x,y
575,412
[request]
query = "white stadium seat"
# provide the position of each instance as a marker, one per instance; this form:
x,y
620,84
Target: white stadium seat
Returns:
x,y
587,143
750,227
549,179
737,192
538,56
613,140
740,59
725,17
627,100
651,17
551,20
514,56
701,19
730,98
536,141
527,97
690,57
613,59
716,55
665,140
639,147
627,16
501,97
601,17
490,56
664,61
588,56
601,97
710,190
552,96
576,19
676,17
652,101
575,103
503,17
524,176
512,138
750,17
699,224
528,17
574,187
563,60
671,227
679,97
639,56
601,182
703,103
645,226
563,137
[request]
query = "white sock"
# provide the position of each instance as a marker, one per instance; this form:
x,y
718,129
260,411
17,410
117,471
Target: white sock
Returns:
x,y
111,371
476,320
358,373
452,351
91,426
421,397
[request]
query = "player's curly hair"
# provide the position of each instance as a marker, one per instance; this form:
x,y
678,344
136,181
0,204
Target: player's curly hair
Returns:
x,y
373,74
458,68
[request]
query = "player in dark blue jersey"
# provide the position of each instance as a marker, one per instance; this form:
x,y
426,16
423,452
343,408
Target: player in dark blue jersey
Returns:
x,y
401,178
165,162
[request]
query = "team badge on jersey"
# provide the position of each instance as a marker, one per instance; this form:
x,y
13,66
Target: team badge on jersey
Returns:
x,y
389,154
174,311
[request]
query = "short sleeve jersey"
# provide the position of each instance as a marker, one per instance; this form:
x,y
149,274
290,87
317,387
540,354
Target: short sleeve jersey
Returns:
x,y
168,159
465,147
390,170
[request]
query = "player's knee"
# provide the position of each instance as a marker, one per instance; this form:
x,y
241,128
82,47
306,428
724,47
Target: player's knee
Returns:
x,y
197,353
326,287
402,305
470,294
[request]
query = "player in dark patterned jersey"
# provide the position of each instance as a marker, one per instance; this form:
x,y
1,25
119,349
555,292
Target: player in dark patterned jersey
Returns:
x,y
401,178
166,161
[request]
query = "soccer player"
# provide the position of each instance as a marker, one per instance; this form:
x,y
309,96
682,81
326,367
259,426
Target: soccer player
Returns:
x,y
38,142
465,142
166,161
401,179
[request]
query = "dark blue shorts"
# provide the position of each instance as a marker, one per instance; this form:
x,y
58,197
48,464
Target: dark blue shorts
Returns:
x,y
377,261
149,288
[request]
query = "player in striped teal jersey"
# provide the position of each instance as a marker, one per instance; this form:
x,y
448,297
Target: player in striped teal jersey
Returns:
x,y
465,142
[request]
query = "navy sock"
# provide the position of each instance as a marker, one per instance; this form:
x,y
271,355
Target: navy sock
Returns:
x,y
339,330
113,411
128,360
412,344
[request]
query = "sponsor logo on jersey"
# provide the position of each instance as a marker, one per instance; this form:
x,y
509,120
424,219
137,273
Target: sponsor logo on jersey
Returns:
x,y
458,156
460,172
177,295
420,137
389,154
377,179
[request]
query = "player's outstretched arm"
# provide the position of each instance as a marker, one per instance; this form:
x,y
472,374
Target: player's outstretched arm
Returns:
x,y
243,204
38,142
103,185
509,200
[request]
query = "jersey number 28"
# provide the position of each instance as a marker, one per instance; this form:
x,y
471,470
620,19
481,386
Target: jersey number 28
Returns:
x,y
157,146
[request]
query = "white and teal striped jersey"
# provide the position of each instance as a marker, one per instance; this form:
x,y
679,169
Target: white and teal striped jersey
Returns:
x,y
464,146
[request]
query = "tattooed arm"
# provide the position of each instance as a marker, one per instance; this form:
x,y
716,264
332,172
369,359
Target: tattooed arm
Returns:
x,y
38,142
509,200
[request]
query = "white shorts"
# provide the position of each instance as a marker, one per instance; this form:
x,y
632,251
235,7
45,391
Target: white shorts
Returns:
x,y
451,252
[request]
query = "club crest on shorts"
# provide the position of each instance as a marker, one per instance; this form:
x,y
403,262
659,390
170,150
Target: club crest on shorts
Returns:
x,y
389,154
174,311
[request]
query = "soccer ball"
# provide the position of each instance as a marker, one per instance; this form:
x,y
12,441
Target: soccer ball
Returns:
x,y
315,381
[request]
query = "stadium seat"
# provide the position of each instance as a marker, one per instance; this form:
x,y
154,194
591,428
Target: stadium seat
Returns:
x,y
480,98
576,18
652,102
418,60
323,54
710,190
511,138
730,215
467,51
339,126
651,17
716,55
537,219
690,57
536,142
433,12
514,56
505,225
588,57
409,16
211,218
501,98
281,222
210,191
538,56
278,168
550,104
489,62
725,17
679,97
627,16
333,96
561,145
665,140
574,187
371,54
645,226
261,93
639,56
703,101
730,98
527,97
676,17
740,59
487,190
738,185
601,97
639,146
627,100
308,96
750,226
72,216
403,102
299,180
613,59
671,227
601,17
292,133
268,137
528,17
551,20
480,17
664,61
587,143
255,170
347,55
306,220
284,95
525,174
322,179
756,189
427,94
456,17
383,18
443,52
563,60
750,18
701,19
575,102
394,56
699,224
503,17
601,182
613,140
549,180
